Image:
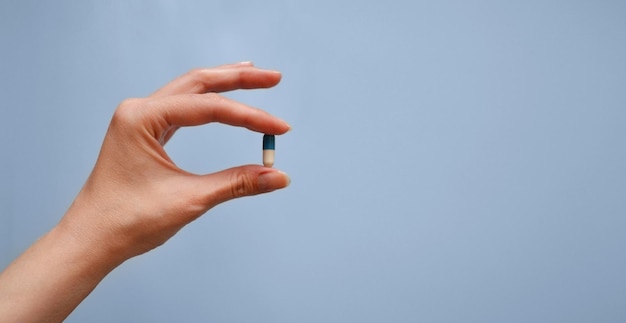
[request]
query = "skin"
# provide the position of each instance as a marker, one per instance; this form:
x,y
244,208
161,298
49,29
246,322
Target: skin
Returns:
x,y
136,198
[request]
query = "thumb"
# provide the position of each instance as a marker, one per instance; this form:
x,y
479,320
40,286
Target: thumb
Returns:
x,y
242,181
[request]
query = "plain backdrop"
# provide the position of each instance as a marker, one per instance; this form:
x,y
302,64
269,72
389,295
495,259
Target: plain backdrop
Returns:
x,y
451,161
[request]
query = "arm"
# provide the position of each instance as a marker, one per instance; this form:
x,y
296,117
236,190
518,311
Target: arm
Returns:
x,y
136,198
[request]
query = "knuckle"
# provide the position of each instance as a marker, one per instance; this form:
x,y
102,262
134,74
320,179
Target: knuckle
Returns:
x,y
242,185
127,111
242,75
199,79
196,72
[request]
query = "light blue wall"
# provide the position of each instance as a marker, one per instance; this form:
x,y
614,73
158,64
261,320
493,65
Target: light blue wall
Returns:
x,y
452,161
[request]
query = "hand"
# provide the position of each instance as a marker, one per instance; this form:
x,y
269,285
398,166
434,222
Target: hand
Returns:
x,y
136,197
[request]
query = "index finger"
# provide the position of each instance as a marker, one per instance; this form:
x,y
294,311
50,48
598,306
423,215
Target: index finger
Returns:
x,y
220,79
197,109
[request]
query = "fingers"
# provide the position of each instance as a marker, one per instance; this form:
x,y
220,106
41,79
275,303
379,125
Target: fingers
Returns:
x,y
220,79
241,181
198,109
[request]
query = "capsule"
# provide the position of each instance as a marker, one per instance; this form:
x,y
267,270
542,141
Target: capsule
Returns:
x,y
268,150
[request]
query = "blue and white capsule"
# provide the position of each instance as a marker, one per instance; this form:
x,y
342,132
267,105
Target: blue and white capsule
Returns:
x,y
268,150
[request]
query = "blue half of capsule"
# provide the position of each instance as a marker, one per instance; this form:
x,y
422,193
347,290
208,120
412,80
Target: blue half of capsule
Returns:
x,y
268,142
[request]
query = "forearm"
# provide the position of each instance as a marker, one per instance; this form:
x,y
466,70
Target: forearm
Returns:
x,y
48,281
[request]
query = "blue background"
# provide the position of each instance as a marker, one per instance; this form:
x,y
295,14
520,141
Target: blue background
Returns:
x,y
451,161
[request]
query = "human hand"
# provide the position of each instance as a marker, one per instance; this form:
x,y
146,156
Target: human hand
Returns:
x,y
136,198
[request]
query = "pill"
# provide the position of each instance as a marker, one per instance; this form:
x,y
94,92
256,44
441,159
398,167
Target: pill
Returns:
x,y
268,150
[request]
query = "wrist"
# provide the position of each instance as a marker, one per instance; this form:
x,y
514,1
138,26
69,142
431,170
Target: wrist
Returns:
x,y
85,232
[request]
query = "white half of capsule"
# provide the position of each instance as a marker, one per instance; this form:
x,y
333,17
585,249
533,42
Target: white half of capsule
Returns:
x,y
268,157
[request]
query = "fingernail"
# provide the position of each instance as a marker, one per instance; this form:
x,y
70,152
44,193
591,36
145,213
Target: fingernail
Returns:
x,y
248,63
273,180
